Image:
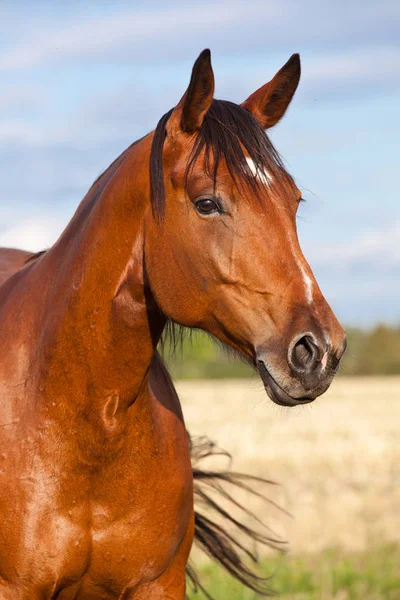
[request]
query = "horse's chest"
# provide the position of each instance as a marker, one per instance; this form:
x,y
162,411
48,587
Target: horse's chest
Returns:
x,y
139,544
99,533
138,524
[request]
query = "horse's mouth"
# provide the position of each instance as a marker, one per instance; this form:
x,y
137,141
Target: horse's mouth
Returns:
x,y
274,390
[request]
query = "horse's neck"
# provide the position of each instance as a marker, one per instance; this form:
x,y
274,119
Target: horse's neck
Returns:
x,y
100,329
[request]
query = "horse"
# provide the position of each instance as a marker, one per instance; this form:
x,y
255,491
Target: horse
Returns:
x,y
195,225
11,260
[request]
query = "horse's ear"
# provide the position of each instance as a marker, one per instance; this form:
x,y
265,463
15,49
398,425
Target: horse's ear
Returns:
x,y
269,103
188,115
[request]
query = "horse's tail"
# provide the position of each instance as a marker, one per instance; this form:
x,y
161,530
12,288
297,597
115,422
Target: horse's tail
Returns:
x,y
221,535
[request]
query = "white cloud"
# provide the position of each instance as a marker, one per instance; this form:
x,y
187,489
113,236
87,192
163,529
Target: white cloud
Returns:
x,y
374,247
105,34
357,65
234,27
33,234
20,96
21,131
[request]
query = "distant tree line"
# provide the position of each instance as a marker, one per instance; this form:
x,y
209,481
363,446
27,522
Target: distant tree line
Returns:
x,y
370,352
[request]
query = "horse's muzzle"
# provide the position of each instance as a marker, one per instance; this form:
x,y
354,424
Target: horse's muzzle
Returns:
x,y
312,364
276,392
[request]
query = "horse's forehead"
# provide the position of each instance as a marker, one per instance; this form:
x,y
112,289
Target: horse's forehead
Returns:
x,y
179,156
263,175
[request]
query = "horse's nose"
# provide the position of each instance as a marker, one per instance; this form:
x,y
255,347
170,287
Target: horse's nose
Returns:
x,y
310,355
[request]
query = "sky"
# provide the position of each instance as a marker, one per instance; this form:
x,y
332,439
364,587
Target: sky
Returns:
x,y
79,82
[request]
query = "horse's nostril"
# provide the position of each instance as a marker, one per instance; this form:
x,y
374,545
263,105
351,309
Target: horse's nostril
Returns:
x,y
304,355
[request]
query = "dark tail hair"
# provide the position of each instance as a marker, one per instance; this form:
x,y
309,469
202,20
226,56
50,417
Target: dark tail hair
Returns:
x,y
222,536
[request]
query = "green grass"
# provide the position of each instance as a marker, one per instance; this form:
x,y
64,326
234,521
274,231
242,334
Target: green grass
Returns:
x,y
330,575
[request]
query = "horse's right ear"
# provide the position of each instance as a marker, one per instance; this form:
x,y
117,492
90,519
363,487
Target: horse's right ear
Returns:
x,y
188,115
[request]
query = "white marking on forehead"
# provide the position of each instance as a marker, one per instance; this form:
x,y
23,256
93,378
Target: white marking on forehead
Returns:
x,y
262,175
309,285
308,282
266,179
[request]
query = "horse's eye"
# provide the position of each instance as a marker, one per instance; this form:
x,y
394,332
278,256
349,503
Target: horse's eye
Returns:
x,y
207,206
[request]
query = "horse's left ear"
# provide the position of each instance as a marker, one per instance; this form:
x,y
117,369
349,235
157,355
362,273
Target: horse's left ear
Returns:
x,y
269,103
188,115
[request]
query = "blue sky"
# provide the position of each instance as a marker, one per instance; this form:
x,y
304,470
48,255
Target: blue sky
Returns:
x,y
80,81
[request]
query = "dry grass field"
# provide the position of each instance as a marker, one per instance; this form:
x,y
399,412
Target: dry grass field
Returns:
x,y
337,460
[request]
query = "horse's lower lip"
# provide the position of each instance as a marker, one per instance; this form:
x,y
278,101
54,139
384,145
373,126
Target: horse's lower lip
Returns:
x,y
274,390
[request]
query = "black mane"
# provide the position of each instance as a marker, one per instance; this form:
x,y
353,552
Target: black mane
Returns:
x,y
227,130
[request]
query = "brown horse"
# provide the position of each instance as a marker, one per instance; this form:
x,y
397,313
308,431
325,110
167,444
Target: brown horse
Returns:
x,y
194,224
10,261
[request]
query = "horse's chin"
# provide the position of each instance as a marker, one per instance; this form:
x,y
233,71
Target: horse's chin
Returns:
x,y
278,394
